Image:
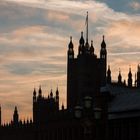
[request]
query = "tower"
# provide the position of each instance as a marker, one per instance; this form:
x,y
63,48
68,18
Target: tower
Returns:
x,y
43,107
103,59
15,116
129,78
109,75
85,72
71,73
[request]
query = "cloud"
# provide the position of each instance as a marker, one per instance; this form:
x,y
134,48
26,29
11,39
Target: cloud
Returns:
x,y
135,5
34,36
127,31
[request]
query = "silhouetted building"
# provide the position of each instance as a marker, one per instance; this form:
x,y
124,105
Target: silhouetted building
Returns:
x,y
86,73
97,107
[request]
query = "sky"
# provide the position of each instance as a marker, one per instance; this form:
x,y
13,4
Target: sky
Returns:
x,y
34,37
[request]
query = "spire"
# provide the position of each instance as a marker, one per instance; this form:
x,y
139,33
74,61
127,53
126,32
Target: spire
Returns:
x,y
103,44
34,92
57,98
91,48
130,74
119,72
70,44
57,91
109,75
70,49
15,116
82,41
40,91
51,94
129,78
103,52
34,95
119,77
15,111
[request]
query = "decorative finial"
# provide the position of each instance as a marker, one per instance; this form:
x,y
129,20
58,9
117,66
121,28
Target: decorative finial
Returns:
x,y
130,68
82,33
34,92
119,70
51,94
57,92
71,38
15,108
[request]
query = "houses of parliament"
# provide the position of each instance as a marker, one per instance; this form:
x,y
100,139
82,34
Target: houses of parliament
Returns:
x,y
97,108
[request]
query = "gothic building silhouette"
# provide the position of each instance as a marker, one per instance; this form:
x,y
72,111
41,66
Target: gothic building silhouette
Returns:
x,y
97,107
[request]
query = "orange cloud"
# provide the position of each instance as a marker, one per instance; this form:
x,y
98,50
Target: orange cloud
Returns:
x,y
135,5
58,16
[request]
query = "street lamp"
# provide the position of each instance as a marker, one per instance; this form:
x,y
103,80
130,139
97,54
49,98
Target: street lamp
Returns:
x,y
78,112
97,113
88,102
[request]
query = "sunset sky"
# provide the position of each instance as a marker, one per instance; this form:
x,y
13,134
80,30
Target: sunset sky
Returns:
x,y
34,37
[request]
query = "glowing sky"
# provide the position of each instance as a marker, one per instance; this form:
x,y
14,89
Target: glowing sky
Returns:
x,y
34,37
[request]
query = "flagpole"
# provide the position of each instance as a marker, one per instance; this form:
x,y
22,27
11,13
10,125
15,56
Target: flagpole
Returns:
x,y
87,27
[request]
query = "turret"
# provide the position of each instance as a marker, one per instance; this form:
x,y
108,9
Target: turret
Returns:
x,y
40,92
57,98
81,44
81,41
103,51
120,78
109,75
70,49
70,63
91,48
51,94
129,78
34,95
15,116
103,59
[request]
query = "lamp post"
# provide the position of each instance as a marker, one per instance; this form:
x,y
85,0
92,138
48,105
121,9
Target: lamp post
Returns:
x,y
88,102
98,117
97,113
78,112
